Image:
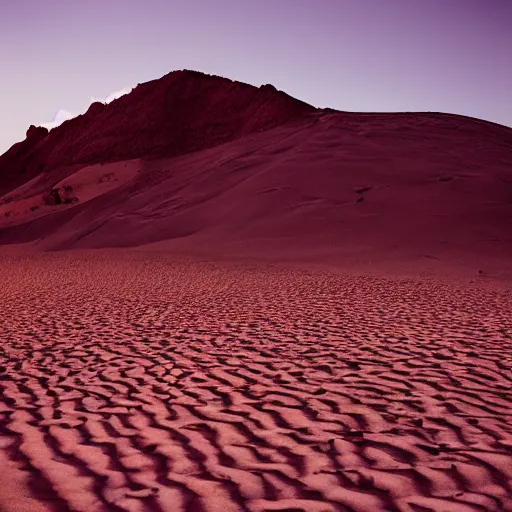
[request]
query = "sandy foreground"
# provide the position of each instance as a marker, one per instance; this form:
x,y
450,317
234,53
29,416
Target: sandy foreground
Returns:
x,y
136,382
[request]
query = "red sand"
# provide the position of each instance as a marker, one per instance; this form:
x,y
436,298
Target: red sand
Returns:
x,y
135,381
418,190
286,309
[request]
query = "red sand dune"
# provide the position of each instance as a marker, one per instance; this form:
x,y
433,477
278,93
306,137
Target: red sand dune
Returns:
x,y
231,169
214,297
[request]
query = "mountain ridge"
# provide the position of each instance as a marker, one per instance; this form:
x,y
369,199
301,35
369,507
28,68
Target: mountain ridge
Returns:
x,y
181,112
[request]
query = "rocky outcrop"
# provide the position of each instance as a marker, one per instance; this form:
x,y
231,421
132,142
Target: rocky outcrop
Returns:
x,y
182,112
57,196
36,132
95,108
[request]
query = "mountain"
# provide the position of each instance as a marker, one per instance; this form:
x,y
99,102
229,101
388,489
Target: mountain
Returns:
x,y
183,111
200,164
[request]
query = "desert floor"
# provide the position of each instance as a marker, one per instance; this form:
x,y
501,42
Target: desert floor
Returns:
x,y
137,382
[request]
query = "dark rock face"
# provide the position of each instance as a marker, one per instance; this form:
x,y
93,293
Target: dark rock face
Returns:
x,y
56,196
36,132
52,197
95,108
24,160
182,112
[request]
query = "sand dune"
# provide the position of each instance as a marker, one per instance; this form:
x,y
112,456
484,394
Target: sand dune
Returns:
x,y
412,189
142,382
216,298
226,169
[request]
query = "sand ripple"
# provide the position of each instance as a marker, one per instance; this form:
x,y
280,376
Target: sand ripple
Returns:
x,y
133,382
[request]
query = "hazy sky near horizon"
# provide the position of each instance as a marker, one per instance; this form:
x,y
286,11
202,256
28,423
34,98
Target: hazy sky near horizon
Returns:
x,y
356,55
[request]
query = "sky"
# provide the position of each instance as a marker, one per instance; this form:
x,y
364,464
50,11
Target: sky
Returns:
x,y
57,56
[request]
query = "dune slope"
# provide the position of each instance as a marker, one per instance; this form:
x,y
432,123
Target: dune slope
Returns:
x,y
325,186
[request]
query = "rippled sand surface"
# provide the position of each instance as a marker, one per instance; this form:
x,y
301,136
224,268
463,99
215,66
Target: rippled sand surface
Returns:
x,y
135,382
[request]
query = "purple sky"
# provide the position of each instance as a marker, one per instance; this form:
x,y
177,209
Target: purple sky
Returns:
x,y
359,55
